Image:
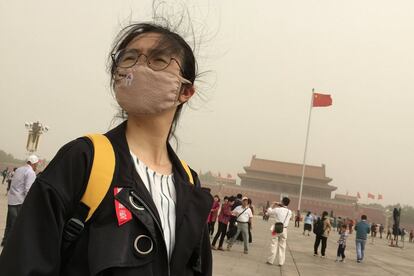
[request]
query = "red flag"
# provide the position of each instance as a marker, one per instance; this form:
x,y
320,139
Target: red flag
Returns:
x,y
371,196
321,100
358,195
380,197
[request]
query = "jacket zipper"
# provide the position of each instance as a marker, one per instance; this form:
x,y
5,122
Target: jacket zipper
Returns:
x,y
156,221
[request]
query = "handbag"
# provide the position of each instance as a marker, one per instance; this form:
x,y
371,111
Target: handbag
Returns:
x,y
278,228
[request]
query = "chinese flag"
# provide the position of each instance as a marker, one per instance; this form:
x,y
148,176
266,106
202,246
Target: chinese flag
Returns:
x,y
380,197
371,196
358,195
321,100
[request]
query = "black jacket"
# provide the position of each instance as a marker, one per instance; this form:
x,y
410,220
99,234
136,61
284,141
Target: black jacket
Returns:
x,y
34,247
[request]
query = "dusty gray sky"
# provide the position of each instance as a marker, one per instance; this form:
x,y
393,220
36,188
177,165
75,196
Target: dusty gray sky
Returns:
x,y
265,57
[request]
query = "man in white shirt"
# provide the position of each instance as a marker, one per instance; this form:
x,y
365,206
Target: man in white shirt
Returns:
x,y
278,243
243,215
22,180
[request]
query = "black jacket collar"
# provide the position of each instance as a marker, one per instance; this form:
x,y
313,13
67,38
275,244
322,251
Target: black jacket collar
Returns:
x,y
182,184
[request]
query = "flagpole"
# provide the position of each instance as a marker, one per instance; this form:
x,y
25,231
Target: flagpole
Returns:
x,y
306,151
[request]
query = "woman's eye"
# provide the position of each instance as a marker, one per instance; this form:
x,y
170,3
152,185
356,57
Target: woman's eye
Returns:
x,y
159,60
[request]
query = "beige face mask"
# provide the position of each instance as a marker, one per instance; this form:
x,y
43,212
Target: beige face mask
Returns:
x,y
143,91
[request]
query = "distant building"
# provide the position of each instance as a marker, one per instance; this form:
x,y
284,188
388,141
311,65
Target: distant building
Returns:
x,y
346,198
225,181
284,177
209,177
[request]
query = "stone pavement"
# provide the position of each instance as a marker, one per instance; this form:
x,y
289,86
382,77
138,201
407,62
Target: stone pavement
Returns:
x,y
380,258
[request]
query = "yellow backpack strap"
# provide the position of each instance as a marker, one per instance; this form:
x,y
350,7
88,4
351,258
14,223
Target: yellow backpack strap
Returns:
x,y
100,178
188,171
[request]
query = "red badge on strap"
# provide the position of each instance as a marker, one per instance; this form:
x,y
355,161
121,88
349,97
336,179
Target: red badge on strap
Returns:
x,y
123,214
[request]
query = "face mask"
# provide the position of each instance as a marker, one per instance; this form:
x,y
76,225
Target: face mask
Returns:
x,y
143,91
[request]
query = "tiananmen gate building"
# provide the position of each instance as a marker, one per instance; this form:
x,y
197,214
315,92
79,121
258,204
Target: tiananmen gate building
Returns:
x,y
284,177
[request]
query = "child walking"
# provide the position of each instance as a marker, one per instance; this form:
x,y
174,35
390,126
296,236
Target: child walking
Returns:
x,y
343,235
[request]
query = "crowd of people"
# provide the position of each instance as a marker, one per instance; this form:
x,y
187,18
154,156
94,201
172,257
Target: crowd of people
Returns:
x,y
234,218
235,221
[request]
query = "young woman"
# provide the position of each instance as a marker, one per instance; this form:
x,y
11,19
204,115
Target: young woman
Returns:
x,y
152,74
223,218
322,229
213,214
308,222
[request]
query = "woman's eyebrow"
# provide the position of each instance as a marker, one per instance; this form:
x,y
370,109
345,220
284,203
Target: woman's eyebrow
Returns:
x,y
149,51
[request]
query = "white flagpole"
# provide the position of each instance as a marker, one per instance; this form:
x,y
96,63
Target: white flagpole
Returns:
x,y
306,151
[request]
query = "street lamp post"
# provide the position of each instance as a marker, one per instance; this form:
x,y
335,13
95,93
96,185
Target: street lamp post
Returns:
x,y
35,130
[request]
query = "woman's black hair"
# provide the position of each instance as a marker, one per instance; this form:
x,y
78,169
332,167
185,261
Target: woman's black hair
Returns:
x,y
324,214
170,42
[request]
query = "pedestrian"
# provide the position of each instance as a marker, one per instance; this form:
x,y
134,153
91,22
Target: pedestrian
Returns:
x,y
9,178
351,226
381,230
389,233
20,185
343,235
153,203
297,218
238,201
249,201
322,228
223,219
243,215
308,222
362,230
279,231
411,237
213,214
265,216
232,222
4,174
403,232
373,232
340,223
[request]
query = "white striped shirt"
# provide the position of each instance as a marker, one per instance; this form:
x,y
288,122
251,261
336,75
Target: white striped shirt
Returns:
x,y
162,190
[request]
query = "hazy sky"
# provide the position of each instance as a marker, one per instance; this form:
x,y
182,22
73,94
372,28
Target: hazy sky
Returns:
x,y
264,59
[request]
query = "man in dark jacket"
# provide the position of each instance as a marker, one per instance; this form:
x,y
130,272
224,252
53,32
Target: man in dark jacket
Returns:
x,y
362,230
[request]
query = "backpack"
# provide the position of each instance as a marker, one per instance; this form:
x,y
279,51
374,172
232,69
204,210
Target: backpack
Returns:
x,y
100,179
318,228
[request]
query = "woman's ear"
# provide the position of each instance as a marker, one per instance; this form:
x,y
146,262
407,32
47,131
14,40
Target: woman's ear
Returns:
x,y
188,91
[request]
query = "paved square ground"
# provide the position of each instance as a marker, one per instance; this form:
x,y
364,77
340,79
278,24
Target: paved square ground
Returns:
x,y
380,258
